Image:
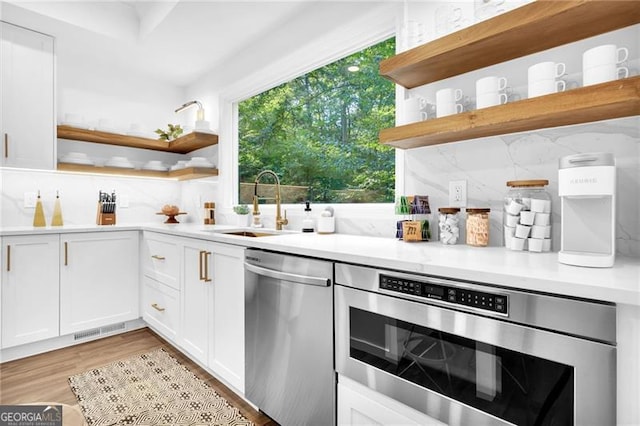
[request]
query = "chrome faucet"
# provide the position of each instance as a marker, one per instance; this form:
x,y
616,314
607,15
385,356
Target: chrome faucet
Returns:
x,y
256,212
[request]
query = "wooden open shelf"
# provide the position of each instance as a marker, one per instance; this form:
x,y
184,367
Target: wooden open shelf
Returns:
x,y
182,145
613,99
182,174
532,28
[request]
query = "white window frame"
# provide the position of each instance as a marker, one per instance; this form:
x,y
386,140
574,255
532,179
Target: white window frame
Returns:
x,y
373,27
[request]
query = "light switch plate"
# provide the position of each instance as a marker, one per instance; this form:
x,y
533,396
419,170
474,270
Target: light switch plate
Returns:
x,y
30,199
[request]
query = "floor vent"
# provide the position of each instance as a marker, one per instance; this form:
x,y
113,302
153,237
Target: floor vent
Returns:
x,y
99,331
112,328
86,334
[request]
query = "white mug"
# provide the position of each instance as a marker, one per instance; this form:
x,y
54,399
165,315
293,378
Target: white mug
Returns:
x,y
545,87
413,107
485,100
446,102
448,19
490,84
545,71
602,73
604,55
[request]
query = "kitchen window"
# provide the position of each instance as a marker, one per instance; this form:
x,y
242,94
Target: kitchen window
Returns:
x,y
319,133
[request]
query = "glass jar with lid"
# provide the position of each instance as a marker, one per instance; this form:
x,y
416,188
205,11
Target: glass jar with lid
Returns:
x,y
448,225
478,227
526,216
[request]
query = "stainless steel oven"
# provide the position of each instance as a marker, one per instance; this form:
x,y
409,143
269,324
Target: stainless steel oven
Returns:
x,y
472,354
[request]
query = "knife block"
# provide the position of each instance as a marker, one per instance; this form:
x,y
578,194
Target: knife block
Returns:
x,y
105,218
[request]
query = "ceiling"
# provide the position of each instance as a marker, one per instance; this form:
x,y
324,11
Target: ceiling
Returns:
x,y
179,41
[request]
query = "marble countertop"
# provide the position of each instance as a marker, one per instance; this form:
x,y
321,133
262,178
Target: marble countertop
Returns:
x,y
492,265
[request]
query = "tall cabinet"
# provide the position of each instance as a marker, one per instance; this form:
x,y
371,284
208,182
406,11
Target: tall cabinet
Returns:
x,y
27,123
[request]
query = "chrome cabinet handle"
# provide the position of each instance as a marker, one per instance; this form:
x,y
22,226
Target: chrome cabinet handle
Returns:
x,y
66,253
158,257
157,308
278,275
8,258
6,145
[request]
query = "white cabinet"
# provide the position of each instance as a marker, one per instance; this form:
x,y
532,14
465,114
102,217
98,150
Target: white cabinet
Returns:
x,y
197,294
226,351
161,308
359,405
30,290
161,258
26,99
98,279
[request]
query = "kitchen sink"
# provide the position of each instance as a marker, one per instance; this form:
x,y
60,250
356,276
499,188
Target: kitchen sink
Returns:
x,y
252,234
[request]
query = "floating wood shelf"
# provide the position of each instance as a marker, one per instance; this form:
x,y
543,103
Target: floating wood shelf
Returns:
x,y
532,28
182,145
614,99
182,174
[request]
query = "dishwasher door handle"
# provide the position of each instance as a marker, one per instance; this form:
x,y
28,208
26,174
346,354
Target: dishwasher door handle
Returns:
x,y
302,279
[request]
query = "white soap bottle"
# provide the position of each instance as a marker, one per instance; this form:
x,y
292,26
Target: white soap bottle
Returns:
x,y
307,222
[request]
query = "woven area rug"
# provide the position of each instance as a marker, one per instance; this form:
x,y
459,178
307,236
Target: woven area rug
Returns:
x,y
150,389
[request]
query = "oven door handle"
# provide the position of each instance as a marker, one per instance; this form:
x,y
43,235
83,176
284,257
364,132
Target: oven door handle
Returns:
x,y
286,276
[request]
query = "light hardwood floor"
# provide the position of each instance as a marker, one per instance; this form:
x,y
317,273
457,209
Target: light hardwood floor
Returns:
x,y
44,377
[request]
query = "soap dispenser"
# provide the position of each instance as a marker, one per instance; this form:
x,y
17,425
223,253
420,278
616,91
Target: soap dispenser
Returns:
x,y
307,222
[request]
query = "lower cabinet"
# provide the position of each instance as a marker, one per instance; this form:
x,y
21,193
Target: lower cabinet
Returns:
x,y
205,317
359,405
98,279
226,350
30,291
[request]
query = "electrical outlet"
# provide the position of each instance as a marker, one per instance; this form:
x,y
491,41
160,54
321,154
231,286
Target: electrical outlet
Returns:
x,y
123,201
30,199
458,193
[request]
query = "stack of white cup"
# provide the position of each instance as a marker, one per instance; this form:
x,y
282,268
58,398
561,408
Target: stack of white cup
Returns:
x,y
543,78
490,91
600,64
447,102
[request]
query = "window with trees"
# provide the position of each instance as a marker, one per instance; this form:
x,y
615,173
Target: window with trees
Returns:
x,y
319,133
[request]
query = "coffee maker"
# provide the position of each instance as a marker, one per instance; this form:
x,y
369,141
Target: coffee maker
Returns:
x,y
587,190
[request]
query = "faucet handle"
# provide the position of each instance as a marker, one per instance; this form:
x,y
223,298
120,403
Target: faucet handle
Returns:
x,y
284,221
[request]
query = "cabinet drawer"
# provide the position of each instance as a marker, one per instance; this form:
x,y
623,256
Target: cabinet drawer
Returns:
x,y
161,259
160,307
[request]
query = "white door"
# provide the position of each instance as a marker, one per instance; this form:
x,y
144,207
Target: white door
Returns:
x,y
196,295
98,279
30,291
27,103
226,357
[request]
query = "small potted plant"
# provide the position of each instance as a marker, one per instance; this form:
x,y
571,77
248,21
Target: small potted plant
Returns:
x,y
242,210
173,132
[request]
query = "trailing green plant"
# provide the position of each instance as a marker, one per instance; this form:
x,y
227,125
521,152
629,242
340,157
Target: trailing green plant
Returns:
x,y
241,209
173,132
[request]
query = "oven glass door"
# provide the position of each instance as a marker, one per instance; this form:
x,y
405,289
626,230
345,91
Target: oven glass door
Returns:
x,y
519,388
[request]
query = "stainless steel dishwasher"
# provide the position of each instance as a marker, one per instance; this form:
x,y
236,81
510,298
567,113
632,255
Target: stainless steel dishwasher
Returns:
x,y
289,369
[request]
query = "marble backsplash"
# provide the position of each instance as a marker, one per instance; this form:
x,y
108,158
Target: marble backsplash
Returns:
x,y
488,163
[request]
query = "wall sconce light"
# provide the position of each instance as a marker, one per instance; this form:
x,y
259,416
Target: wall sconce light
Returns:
x,y
201,123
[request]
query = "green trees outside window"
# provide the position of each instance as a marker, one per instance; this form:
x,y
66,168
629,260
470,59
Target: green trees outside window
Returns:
x,y
319,133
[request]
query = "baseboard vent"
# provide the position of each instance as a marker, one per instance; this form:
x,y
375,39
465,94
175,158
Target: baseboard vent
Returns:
x,y
86,334
112,328
99,331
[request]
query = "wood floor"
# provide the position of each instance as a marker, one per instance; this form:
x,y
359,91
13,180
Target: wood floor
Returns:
x,y
44,377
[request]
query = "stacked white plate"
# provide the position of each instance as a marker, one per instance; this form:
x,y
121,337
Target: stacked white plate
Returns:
x,y
77,158
155,165
121,162
199,162
179,165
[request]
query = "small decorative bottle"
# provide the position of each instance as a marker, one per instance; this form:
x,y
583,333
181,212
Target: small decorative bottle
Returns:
x,y
307,222
56,220
38,217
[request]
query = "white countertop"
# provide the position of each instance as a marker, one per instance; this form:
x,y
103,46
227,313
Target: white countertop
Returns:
x,y
492,265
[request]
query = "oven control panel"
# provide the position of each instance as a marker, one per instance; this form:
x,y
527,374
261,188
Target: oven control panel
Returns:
x,y
454,295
